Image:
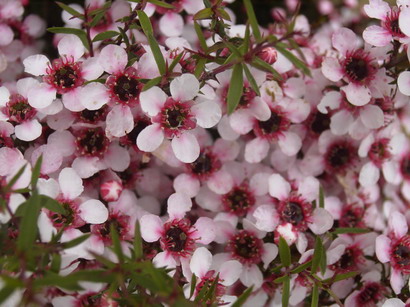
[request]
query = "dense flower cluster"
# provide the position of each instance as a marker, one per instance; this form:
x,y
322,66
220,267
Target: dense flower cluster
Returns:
x,y
224,144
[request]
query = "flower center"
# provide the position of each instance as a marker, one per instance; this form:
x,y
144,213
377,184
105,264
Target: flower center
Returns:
x,y
239,200
18,110
292,213
93,116
140,124
209,279
357,66
120,223
379,152
274,126
351,216
124,88
405,167
64,75
92,142
392,23
401,255
349,260
59,220
372,293
247,96
245,247
177,237
339,156
319,122
205,165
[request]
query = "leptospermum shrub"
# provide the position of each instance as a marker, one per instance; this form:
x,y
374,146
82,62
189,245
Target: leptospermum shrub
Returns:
x,y
171,156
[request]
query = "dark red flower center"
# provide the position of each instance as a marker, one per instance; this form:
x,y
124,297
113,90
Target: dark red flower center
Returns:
x,y
245,247
370,295
18,110
239,200
379,152
357,66
93,116
121,224
295,211
391,23
64,75
339,156
92,142
351,217
349,260
273,127
405,166
126,87
400,254
319,122
205,165
177,237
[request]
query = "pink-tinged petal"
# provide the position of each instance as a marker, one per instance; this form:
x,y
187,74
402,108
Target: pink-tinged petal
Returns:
x,y
178,205
93,211
28,131
393,302
4,96
256,150
259,184
86,166
71,47
403,82
184,87
91,69
150,138
286,231
52,158
113,59
251,276
334,254
151,227
41,95
340,122
331,69
377,36
298,294
383,248
164,259
207,113
152,100
377,9
290,143
351,300
297,110
45,228
206,230
192,6
24,85
266,218
229,272
71,184
396,281
117,158
94,96
301,243
24,179
36,64
221,182
225,130
6,35
330,100
186,147
64,141
344,40
208,200
201,262
187,185
278,187
357,95
322,221
260,109
241,121
404,20
72,100
62,120
270,251
309,188
171,24
398,223
120,121
369,175
372,117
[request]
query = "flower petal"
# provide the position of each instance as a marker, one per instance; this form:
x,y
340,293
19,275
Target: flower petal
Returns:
x,y
93,211
94,95
404,20
41,95
278,187
403,82
322,221
372,117
184,87
178,205
71,184
357,95
331,69
36,64
201,262
152,100
171,24
186,147
150,138
151,227
113,59
383,248
71,46
377,36
369,175
28,131
120,121
207,113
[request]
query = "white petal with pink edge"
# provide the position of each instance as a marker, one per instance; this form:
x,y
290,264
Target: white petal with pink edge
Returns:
x,y
71,47
330,100
403,82
184,87
186,147
398,223
151,227
41,95
120,121
94,95
309,188
241,121
164,259
206,230
396,281
383,248
270,251
260,109
344,40
187,185
4,96
278,187
113,59
71,100
372,117
24,85
71,185
178,205
86,166
290,143
393,302
377,9
207,113
201,262
8,158
256,150
6,35
28,131
117,158
297,110
322,221
377,36
150,138
229,272
266,218
221,182
93,211
331,69
192,6
369,174
259,183
404,20
357,95
171,24
152,100
36,64
208,200
340,122
91,69
251,276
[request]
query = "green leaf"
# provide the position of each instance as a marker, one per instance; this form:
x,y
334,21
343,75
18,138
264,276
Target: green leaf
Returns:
x,y
76,241
252,19
286,292
175,61
251,80
235,88
262,65
201,294
317,254
200,66
116,243
80,33
315,296
321,197
70,10
301,267
350,230
284,252
55,263
96,19
233,49
5,292
243,297
280,280
193,285
124,36
323,262
28,227
291,57
138,251
205,13
223,14
105,35
200,36
246,41
340,277
145,23
162,4
51,204
151,83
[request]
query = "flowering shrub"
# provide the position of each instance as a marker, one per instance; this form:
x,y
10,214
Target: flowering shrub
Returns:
x,y
178,153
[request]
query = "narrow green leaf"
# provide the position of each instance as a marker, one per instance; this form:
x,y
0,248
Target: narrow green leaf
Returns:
x,y
280,280
323,262
151,83
145,23
5,292
138,251
200,36
251,80
175,61
340,277
162,4
96,19
321,197
243,297
116,243
291,57
201,294
124,36
284,252
15,178
105,35
36,173
350,230
55,263
205,13
301,267
223,14
262,65
200,66
193,286
66,30
235,88
70,10
286,292
315,296
28,227
252,19
51,204
317,254
246,41
76,241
